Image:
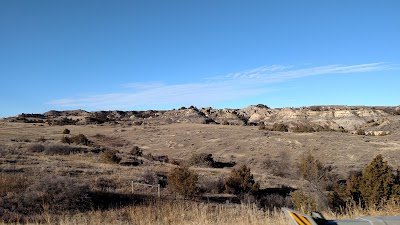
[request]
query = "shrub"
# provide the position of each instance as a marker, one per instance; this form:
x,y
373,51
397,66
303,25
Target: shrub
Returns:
x,y
59,149
201,160
66,140
273,201
241,182
54,149
303,129
59,193
79,139
336,201
12,183
280,127
323,128
160,158
280,167
110,156
316,108
154,178
62,121
261,126
313,171
225,122
321,179
136,151
177,162
310,168
66,131
184,181
104,184
36,148
212,185
377,183
360,132
352,185
304,202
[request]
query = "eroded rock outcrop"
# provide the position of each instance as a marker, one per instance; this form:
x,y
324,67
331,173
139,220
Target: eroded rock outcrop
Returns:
x,y
349,118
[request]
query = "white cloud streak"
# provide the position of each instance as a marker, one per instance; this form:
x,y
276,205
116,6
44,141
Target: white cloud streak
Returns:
x,y
217,89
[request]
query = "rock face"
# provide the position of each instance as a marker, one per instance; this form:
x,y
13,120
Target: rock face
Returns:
x,y
349,118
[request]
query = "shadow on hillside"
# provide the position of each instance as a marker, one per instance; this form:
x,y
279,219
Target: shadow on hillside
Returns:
x,y
108,200
282,191
265,198
220,165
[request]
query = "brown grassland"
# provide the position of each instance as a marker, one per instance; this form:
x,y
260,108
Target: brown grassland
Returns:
x,y
33,158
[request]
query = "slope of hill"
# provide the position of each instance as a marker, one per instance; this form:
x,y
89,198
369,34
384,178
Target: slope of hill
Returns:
x,y
348,118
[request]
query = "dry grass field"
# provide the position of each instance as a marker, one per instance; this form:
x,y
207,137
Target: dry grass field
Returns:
x,y
182,213
243,145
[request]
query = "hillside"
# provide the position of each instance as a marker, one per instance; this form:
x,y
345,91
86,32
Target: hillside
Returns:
x,y
149,144
348,118
329,132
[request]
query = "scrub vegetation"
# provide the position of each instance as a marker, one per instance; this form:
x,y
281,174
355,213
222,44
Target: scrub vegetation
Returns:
x,y
191,173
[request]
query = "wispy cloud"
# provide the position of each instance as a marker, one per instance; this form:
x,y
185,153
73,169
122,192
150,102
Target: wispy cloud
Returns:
x,y
232,86
277,73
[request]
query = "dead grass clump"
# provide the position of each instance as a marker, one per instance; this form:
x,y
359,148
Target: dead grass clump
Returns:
x,y
111,141
201,160
280,167
59,149
272,201
57,194
79,139
104,185
23,199
154,178
304,202
185,212
13,183
212,185
110,156
53,149
177,213
36,148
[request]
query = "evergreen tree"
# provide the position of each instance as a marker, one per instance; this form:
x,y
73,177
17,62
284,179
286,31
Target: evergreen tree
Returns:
x,y
241,182
377,182
184,181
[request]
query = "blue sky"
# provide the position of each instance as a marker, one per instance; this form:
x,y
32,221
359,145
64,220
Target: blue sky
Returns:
x,y
148,54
